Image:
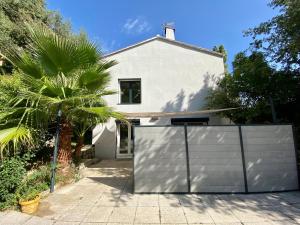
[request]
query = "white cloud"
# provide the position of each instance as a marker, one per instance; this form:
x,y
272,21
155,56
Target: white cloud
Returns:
x,y
106,46
136,26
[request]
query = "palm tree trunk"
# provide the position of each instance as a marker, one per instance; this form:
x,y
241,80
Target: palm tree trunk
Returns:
x,y
65,148
78,147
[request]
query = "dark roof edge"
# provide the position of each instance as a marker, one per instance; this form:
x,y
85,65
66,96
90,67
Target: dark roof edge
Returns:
x,y
178,43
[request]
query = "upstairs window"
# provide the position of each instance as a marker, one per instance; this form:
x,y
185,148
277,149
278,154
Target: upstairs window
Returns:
x,y
130,91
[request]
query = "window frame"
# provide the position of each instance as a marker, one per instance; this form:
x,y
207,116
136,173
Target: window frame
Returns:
x,y
120,92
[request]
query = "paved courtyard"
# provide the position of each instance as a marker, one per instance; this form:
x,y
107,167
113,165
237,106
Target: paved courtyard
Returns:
x,y
105,197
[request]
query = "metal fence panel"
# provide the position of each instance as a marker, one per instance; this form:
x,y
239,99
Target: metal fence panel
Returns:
x,y
270,158
160,160
215,159
212,159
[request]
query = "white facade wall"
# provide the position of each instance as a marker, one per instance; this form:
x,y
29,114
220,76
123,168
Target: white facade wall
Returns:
x,y
173,78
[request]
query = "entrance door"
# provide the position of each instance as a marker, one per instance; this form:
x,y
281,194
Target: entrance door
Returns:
x,y
125,139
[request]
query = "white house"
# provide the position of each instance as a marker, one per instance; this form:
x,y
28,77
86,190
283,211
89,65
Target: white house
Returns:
x,y
156,79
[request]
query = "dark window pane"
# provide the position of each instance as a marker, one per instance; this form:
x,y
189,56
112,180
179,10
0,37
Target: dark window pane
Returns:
x,y
130,91
136,92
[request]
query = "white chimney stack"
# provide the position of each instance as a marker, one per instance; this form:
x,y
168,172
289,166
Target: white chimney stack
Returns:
x,y
169,31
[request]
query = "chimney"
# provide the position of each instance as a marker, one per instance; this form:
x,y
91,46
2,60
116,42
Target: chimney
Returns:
x,y
169,31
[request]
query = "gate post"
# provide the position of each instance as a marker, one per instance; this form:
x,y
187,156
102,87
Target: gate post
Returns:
x,y
187,158
243,159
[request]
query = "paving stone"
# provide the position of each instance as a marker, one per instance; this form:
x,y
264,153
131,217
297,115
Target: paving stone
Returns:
x,y
250,215
290,197
2,214
234,224
121,224
228,200
88,200
128,200
274,213
122,215
148,200
172,215
98,214
52,211
13,217
66,223
196,215
108,200
39,221
291,212
190,200
76,214
83,223
283,222
222,215
261,200
169,200
147,215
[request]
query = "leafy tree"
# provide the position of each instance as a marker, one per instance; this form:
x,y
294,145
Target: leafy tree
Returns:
x,y
250,88
221,49
55,73
13,16
279,38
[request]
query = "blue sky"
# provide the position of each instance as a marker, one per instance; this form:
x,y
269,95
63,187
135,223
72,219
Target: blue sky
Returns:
x,y
115,24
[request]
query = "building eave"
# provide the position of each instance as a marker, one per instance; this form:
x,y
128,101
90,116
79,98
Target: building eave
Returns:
x,y
173,42
173,114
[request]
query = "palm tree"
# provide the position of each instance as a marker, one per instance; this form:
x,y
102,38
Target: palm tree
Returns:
x,y
55,73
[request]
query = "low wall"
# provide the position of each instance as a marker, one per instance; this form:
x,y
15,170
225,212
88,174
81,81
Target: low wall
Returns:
x,y
214,159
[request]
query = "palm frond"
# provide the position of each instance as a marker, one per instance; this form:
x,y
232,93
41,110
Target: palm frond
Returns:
x,y
14,136
103,113
59,54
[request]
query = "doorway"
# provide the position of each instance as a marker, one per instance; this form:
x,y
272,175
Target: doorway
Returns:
x,y
125,137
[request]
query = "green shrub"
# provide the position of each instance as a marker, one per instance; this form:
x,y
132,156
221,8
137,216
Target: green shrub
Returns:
x,y
35,183
12,172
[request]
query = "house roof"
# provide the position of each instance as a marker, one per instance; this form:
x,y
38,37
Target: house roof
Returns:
x,y
174,42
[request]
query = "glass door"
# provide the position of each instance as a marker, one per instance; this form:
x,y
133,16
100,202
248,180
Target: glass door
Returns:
x,y
123,143
123,138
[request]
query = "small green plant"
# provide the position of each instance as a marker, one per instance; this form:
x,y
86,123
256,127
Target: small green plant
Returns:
x,y
12,172
35,183
28,194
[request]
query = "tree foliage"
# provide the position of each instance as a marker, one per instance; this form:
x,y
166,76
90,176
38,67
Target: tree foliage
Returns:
x,y
279,38
221,49
250,87
55,72
254,86
13,16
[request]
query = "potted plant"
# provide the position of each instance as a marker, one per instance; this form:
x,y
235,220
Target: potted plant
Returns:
x,y
29,191
29,199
